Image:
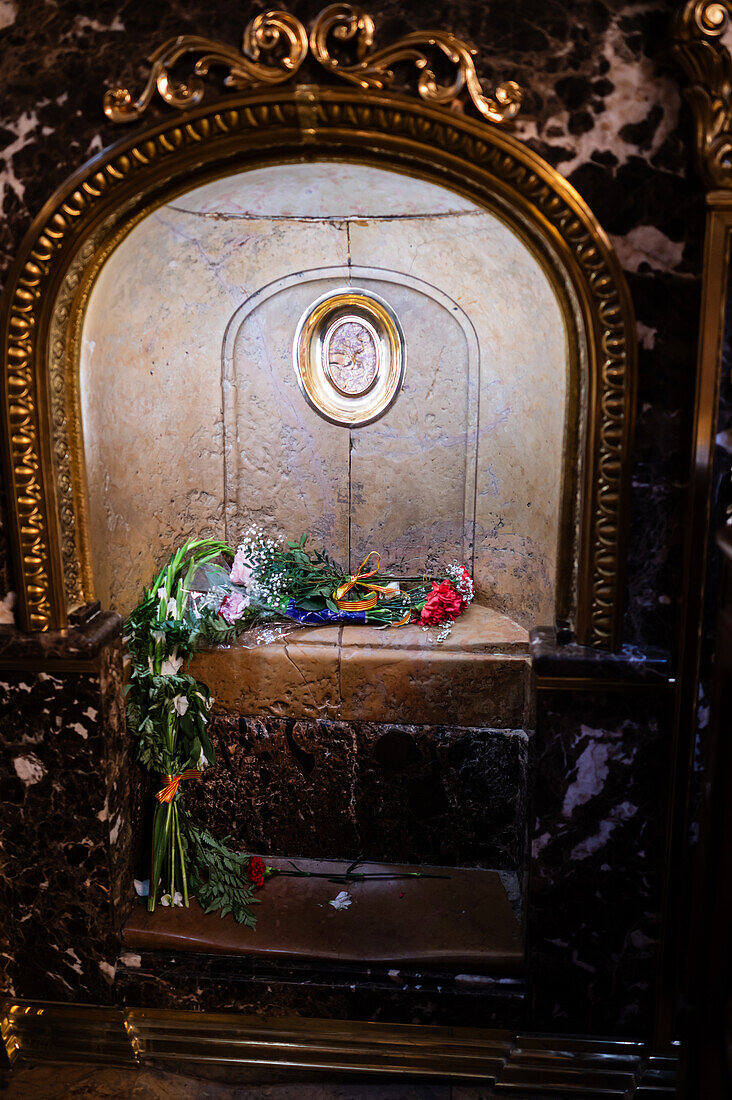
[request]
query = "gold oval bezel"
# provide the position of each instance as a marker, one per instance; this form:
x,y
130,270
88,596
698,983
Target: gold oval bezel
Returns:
x,y
310,356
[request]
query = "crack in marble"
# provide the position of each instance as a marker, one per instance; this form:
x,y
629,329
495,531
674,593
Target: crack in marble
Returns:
x,y
343,219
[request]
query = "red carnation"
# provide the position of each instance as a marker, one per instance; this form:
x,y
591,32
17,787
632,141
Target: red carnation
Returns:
x,y
442,604
255,871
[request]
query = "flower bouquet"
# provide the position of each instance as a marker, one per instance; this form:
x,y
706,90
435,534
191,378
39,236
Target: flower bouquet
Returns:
x,y
197,599
270,582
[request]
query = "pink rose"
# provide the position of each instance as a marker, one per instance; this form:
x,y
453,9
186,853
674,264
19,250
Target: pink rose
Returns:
x,y
241,570
233,606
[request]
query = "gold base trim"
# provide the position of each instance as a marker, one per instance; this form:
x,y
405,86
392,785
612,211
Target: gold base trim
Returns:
x,y
559,1065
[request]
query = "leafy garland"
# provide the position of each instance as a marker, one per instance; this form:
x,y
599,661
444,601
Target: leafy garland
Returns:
x,y
197,601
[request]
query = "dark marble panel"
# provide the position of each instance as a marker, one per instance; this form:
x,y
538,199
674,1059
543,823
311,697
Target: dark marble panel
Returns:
x,y
259,987
280,786
440,795
127,786
65,882
599,775
414,794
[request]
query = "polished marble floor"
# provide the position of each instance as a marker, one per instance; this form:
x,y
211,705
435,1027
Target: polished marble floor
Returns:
x,y
59,1082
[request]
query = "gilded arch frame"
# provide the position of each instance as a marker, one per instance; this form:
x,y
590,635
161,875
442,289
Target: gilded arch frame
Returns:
x,y
50,282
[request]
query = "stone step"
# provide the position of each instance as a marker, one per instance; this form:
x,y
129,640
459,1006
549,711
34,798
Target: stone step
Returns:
x,y
478,676
462,922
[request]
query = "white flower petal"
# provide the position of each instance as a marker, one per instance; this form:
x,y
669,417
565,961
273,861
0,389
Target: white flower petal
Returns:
x,y
180,704
142,888
171,664
342,900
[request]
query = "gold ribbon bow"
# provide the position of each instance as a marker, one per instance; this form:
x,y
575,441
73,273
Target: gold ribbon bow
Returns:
x,y
362,575
167,794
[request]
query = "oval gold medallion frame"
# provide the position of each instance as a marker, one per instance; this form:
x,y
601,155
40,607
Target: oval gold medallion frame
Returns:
x,y
50,283
311,354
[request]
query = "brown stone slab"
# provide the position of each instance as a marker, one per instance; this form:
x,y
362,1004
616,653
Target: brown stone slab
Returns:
x,y
478,630
478,676
293,677
462,923
435,688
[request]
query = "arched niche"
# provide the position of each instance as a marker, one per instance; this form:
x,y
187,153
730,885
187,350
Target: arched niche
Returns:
x,y
81,226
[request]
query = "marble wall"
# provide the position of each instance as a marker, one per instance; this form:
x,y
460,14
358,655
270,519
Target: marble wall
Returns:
x,y
598,799
194,423
70,797
426,794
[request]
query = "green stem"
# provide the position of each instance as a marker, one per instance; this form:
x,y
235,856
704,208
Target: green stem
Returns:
x,y
354,876
166,835
173,818
182,860
153,884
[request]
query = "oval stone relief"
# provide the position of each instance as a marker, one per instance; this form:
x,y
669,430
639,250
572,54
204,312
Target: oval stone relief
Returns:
x,y
352,357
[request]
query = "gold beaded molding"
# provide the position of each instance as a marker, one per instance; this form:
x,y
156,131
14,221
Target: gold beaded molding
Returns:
x,y
276,44
51,281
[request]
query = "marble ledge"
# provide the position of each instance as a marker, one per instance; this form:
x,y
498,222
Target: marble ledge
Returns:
x,y
553,659
82,643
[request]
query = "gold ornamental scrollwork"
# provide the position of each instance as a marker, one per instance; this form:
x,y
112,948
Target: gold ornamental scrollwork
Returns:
x,y
272,31
262,38
345,22
699,48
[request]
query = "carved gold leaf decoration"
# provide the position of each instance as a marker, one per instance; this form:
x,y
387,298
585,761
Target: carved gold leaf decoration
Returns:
x,y
266,33
346,22
269,32
699,29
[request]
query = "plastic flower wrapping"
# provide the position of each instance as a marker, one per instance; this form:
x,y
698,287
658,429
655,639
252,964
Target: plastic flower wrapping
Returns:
x,y
208,594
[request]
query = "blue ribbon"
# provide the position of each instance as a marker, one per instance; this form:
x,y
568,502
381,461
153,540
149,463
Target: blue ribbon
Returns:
x,y
316,618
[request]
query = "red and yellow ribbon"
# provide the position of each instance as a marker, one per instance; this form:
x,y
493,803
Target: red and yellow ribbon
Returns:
x,y
362,575
405,620
167,794
361,578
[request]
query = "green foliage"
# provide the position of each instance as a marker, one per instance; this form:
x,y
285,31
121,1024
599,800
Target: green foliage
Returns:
x,y
219,876
168,710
